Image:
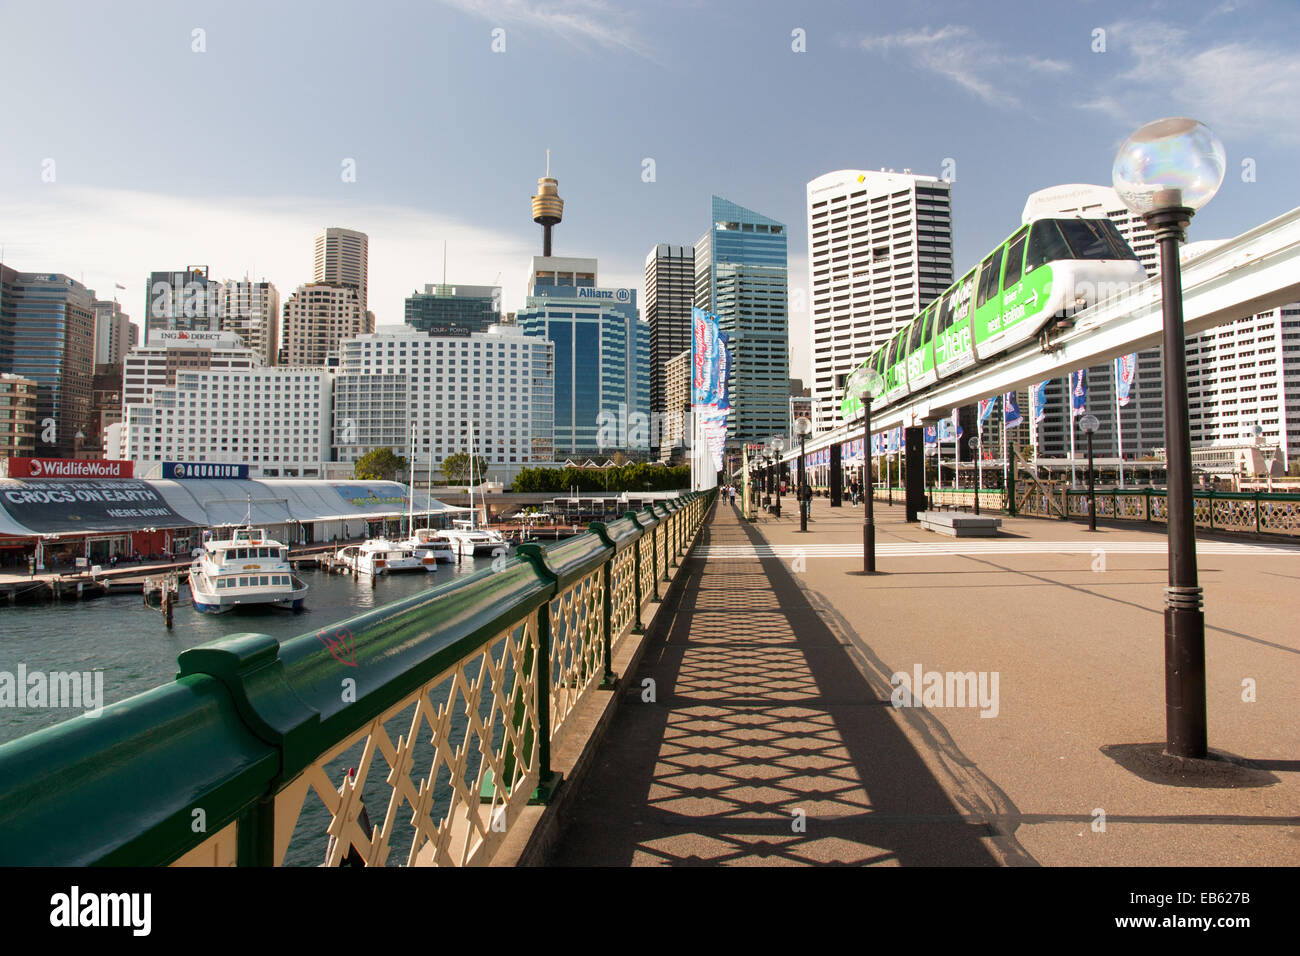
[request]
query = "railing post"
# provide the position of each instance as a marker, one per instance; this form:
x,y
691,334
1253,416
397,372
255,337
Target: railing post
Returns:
x,y
608,681
547,780
255,834
636,572
1211,509
1257,527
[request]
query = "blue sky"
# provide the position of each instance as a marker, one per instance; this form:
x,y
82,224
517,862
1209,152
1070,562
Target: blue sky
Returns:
x,y
164,156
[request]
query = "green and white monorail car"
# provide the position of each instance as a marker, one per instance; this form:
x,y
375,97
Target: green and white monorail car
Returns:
x,y
1044,271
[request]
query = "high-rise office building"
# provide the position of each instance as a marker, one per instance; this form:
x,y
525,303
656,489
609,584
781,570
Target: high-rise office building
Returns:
x,y
181,301
677,406
1143,417
47,335
317,317
114,333
451,308
879,251
669,295
252,311
342,259
602,357
741,275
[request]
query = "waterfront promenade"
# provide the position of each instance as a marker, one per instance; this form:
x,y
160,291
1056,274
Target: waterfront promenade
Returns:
x,y
772,739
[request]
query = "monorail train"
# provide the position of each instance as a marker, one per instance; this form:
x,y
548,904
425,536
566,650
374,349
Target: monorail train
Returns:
x,y
1042,274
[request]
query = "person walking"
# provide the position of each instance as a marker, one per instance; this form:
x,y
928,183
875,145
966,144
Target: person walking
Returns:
x,y
805,499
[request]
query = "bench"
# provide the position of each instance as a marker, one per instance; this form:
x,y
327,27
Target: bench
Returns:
x,y
958,525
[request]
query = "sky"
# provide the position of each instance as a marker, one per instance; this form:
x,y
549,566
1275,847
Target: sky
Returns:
x,y
150,136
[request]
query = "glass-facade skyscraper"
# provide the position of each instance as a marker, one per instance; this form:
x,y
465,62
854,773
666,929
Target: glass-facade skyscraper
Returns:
x,y
602,357
47,335
441,309
741,275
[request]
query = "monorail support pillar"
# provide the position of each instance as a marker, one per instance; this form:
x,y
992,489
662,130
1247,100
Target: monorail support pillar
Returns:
x,y
914,476
837,478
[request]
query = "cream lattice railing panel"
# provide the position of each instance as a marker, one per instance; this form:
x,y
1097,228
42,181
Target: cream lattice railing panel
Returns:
x,y
622,605
647,545
577,645
468,730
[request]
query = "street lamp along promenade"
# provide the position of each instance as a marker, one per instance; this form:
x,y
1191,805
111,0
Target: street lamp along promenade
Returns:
x,y
778,446
1088,424
802,427
865,384
1164,172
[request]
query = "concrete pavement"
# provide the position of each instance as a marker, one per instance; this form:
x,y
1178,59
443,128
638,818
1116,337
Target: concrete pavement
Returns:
x,y
772,738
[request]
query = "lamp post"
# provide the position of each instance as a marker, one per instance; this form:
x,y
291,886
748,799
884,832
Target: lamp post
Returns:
x,y
778,446
865,384
802,427
889,477
1089,424
974,442
1164,172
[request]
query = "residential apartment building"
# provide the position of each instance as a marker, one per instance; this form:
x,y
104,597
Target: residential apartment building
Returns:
x,y
317,317
879,251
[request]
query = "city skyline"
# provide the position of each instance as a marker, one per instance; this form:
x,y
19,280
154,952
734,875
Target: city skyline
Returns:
x,y
956,86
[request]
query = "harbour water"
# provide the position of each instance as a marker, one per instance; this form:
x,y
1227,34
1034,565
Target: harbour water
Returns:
x,y
130,644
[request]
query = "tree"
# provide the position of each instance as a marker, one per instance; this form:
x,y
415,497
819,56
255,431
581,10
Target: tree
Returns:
x,y
382,464
456,468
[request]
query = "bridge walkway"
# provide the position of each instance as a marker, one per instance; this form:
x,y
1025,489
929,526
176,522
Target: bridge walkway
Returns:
x,y
764,742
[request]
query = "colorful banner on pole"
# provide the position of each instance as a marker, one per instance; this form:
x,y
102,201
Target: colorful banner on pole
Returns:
x,y
1078,392
986,409
1011,410
1038,401
1125,373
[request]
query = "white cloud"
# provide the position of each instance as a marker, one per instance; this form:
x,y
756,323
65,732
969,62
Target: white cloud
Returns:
x,y
577,20
1237,88
109,236
967,59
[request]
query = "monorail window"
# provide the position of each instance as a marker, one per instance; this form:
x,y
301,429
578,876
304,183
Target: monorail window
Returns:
x,y
1095,239
945,314
1015,260
989,276
915,338
1046,244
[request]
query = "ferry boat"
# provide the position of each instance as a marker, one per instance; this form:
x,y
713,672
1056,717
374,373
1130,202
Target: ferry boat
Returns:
x,y
246,569
381,556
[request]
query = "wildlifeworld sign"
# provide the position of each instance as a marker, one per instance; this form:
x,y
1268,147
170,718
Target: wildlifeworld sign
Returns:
x,y
72,506
68,468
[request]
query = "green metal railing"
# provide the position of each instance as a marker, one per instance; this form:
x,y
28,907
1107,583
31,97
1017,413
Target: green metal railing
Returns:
x,y
263,752
1229,511
1254,512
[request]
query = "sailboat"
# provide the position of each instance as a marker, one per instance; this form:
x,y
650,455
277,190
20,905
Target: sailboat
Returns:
x,y
425,543
464,536
377,556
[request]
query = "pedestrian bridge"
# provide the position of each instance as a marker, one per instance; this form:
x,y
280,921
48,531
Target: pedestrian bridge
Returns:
x,y
683,686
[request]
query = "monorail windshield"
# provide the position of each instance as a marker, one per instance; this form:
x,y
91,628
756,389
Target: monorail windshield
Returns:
x,y
1055,239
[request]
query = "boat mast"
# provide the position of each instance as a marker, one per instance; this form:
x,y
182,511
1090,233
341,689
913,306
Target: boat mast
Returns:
x,y
410,476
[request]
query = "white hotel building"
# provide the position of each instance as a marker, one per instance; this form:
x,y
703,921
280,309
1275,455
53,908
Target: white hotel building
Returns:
x,y
499,383
879,250
274,419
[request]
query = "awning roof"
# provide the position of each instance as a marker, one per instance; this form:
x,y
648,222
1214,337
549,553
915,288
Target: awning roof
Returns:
x,y
31,507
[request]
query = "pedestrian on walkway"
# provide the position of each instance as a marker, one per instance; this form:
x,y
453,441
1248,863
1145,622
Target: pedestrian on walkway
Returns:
x,y
805,499
732,490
